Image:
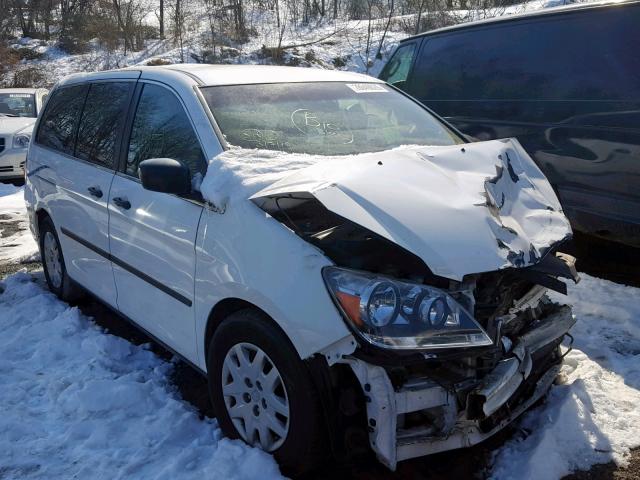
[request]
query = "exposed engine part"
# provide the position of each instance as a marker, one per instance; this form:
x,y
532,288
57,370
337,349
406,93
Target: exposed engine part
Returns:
x,y
345,242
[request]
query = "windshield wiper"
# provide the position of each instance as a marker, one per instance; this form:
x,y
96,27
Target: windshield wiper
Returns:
x,y
8,115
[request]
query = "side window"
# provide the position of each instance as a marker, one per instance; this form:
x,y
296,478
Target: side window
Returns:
x,y
397,69
161,129
58,124
103,113
583,55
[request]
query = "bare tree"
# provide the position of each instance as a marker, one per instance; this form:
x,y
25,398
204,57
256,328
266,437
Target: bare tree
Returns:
x,y
386,29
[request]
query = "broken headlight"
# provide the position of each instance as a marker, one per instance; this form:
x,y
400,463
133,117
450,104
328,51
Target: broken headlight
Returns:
x,y
394,314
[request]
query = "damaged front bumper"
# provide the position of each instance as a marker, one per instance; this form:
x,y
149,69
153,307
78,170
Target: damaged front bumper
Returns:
x,y
517,381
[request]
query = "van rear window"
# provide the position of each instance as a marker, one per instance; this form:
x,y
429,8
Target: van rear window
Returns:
x,y
58,123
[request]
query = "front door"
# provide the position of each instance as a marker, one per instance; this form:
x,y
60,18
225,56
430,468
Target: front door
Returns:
x,y
152,235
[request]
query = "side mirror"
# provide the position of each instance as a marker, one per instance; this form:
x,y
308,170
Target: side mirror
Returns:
x,y
165,175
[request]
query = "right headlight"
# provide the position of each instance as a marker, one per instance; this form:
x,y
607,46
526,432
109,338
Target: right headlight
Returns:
x,y
400,315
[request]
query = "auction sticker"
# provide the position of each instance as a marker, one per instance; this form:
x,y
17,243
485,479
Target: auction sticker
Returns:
x,y
366,87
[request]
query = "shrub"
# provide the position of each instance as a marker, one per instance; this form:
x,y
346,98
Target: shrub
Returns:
x,y
73,45
340,62
229,52
154,62
25,53
293,61
31,77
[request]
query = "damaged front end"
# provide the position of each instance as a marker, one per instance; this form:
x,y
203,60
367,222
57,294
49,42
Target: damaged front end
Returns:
x,y
424,401
443,284
465,375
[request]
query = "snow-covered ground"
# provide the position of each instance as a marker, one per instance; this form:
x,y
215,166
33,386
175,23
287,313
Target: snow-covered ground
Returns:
x,y
15,246
593,414
78,402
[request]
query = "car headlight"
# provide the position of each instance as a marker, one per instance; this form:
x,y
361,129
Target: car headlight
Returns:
x,y
400,315
21,140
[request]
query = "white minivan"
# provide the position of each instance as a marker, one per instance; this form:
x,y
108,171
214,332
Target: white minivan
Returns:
x,y
348,271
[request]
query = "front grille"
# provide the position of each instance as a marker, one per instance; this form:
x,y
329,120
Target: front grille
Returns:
x,y
6,169
22,165
2,144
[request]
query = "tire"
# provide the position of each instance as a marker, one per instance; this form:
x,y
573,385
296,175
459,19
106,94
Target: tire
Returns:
x,y
55,271
303,446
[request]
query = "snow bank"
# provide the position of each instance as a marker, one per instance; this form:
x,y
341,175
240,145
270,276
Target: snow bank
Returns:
x,y
79,403
15,246
593,415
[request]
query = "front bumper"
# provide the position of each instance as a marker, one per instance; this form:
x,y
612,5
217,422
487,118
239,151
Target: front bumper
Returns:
x,y
12,163
516,382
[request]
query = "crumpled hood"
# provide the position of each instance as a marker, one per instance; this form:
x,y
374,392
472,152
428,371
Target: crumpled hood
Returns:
x,y
13,125
462,209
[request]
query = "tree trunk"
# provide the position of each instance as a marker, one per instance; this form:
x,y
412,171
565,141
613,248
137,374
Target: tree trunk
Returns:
x,y
161,19
386,29
118,10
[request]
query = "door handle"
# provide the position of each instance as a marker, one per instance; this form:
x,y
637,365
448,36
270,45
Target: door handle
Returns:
x,y
95,192
122,202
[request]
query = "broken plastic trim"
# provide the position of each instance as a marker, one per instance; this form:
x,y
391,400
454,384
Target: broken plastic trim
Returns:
x,y
499,385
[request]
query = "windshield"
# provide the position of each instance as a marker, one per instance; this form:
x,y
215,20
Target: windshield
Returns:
x,y
17,105
328,118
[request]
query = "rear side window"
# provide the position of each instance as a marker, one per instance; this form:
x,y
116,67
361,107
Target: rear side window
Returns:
x,y
584,56
102,116
58,124
397,69
161,129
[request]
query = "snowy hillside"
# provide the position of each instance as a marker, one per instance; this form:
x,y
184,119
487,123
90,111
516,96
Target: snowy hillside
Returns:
x,y
340,44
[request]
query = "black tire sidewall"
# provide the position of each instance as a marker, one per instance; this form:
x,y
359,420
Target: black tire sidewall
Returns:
x,y
66,289
303,446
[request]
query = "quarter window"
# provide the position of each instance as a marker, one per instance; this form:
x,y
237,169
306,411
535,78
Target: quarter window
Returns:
x,y
102,115
161,129
397,70
58,124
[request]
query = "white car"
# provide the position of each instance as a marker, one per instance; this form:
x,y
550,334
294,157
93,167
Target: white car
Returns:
x,y
348,272
19,108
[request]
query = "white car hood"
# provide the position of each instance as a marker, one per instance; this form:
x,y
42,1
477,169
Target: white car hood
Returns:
x,y
13,125
462,209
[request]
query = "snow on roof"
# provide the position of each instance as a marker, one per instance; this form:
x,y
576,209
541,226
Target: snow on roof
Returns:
x,y
246,74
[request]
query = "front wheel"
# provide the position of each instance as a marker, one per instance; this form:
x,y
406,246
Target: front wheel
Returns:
x,y
262,391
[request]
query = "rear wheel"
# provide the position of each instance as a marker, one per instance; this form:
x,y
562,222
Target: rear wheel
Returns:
x,y
55,271
262,392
